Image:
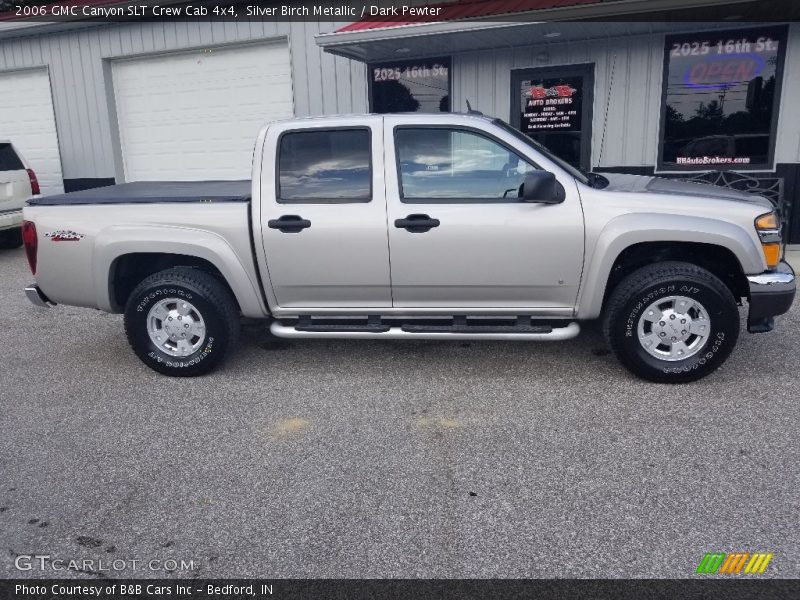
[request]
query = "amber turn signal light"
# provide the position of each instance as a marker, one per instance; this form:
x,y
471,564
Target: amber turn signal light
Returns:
x,y
772,254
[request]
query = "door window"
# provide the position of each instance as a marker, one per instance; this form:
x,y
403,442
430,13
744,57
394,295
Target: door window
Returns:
x,y
324,165
450,165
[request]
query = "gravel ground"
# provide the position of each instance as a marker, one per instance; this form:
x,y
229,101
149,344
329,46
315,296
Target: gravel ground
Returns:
x,y
388,459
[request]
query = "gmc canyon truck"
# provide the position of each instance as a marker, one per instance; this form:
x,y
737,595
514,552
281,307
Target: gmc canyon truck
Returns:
x,y
415,227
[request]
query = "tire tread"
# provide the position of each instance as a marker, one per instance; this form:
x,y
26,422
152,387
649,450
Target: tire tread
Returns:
x,y
213,291
644,277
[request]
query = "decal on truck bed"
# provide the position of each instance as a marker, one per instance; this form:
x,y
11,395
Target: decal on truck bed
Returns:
x,y
64,236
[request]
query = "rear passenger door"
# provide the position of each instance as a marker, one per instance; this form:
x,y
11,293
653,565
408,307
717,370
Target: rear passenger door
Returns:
x,y
323,215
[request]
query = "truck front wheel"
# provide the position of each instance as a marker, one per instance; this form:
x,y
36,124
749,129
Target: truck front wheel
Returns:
x,y
181,322
671,322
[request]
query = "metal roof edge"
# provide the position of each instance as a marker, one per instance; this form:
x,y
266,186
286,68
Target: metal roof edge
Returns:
x,y
330,41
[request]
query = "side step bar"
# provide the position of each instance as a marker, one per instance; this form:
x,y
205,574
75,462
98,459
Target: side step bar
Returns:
x,y
422,332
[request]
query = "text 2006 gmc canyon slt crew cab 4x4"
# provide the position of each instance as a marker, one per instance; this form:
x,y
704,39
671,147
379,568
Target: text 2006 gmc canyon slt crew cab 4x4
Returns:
x,y
443,226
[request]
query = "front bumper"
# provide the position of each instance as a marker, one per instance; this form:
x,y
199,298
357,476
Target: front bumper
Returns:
x,y
771,294
37,297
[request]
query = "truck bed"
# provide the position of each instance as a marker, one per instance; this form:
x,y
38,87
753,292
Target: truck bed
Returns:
x,y
153,192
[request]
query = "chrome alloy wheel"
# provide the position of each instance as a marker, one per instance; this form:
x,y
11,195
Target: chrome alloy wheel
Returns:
x,y
176,327
674,328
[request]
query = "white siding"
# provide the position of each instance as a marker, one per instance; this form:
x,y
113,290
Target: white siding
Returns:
x,y
81,80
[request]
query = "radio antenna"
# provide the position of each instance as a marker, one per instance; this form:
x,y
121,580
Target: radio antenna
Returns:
x,y
473,112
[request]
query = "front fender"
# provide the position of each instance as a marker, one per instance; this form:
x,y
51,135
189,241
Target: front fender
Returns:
x,y
626,230
116,241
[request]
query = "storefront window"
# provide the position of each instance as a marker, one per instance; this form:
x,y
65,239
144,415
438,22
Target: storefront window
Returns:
x,y
410,86
553,105
721,99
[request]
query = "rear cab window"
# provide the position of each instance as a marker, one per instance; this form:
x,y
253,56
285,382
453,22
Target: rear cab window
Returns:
x,y
9,161
325,166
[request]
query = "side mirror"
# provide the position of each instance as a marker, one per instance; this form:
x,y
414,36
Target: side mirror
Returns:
x,y
542,187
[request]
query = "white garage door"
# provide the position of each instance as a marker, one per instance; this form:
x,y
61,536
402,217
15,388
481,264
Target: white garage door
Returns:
x,y
195,115
27,119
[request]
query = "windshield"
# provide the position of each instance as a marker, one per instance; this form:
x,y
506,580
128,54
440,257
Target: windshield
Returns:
x,y
576,173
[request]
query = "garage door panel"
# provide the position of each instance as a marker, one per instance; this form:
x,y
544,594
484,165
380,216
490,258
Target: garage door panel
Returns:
x,y
27,119
195,115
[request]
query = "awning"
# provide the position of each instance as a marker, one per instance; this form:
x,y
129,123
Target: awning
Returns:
x,y
468,9
492,24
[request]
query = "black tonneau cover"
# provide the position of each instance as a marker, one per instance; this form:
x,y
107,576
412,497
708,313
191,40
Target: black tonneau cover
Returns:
x,y
153,192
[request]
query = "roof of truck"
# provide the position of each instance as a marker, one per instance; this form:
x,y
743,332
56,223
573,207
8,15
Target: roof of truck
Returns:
x,y
403,115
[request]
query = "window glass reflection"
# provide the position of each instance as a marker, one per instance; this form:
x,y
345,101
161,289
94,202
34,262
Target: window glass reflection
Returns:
x,y
411,86
452,164
719,98
325,164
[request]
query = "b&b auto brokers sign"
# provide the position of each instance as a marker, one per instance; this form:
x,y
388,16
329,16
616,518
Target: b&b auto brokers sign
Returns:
x,y
551,105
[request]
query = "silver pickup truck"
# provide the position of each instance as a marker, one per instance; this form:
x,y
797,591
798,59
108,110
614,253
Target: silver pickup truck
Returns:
x,y
430,227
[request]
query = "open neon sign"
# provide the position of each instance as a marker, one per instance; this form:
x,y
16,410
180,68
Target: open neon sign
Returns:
x,y
723,71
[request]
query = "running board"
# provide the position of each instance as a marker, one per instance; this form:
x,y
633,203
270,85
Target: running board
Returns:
x,y
410,332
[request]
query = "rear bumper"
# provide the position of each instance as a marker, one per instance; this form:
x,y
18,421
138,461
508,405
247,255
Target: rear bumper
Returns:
x,y
771,294
37,297
10,219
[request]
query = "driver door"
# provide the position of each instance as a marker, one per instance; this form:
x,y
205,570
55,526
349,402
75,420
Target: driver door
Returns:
x,y
459,234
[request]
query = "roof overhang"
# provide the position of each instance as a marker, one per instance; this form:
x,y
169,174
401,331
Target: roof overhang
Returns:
x,y
398,41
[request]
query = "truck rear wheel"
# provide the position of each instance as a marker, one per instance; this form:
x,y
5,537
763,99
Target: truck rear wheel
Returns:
x,y
671,322
181,322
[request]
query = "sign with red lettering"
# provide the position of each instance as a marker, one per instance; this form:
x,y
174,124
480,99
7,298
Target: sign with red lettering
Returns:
x,y
552,104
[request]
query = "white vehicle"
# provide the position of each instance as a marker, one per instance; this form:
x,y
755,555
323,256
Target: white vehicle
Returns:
x,y
17,184
414,226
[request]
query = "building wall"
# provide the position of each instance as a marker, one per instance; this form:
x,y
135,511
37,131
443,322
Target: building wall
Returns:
x,y
628,72
323,84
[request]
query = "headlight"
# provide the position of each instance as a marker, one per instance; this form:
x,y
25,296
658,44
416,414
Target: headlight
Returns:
x,y
769,231
768,222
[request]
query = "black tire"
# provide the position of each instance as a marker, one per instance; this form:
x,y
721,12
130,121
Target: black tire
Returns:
x,y
212,301
639,290
10,239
